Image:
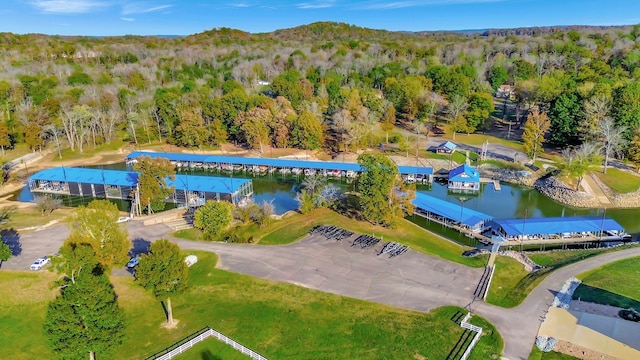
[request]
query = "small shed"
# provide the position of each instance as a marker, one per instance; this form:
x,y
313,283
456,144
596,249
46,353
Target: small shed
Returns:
x,y
446,148
464,178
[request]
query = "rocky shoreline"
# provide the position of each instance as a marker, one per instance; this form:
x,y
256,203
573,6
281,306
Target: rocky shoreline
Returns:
x,y
551,187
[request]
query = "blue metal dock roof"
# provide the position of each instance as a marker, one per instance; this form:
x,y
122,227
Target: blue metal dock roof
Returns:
x,y
449,210
223,185
130,178
88,176
557,225
280,163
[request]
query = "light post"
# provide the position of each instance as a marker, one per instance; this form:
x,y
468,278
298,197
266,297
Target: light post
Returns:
x,y
602,223
26,169
462,200
524,222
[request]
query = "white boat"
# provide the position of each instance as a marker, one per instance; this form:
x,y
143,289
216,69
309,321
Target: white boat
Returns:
x,y
351,174
309,172
284,171
296,171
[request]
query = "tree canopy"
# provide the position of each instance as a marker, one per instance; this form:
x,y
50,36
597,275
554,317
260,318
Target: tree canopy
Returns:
x,y
383,198
96,225
152,181
213,218
163,271
84,318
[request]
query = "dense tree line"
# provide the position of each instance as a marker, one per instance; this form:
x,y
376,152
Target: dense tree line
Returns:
x,y
329,85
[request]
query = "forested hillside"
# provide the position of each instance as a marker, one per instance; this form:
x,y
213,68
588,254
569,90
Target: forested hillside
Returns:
x,y
321,85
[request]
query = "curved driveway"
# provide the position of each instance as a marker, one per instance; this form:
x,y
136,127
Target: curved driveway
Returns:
x,y
413,280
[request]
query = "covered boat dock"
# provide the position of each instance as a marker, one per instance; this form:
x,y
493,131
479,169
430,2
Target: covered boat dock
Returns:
x,y
452,215
269,165
189,190
559,229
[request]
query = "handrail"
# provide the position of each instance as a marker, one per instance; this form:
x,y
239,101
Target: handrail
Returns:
x,y
486,290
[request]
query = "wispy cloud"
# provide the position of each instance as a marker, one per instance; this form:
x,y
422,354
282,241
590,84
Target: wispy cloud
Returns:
x,y
127,19
142,8
69,6
240,5
381,5
316,5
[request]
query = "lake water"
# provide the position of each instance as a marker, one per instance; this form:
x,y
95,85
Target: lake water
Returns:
x,y
512,201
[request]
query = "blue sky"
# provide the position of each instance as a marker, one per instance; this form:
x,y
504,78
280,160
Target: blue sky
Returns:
x,y
183,17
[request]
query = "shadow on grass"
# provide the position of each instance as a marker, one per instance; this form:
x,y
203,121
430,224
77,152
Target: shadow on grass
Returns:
x,y
604,297
461,345
207,355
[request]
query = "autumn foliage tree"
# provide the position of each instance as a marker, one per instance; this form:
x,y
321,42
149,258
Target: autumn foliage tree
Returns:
x,y
535,128
152,181
96,225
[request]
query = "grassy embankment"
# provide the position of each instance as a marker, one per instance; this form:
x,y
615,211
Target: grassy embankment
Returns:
x,y
297,226
616,284
278,320
511,283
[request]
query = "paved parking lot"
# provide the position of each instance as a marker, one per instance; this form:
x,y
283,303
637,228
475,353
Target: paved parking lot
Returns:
x,y
413,280
30,246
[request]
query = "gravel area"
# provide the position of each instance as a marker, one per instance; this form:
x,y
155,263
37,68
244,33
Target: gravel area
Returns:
x,y
580,352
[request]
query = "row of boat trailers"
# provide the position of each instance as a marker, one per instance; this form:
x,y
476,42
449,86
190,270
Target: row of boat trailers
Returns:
x,y
331,232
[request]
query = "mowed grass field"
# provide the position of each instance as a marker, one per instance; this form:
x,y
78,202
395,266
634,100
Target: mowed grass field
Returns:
x,y
619,180
279,320
616,284
297,226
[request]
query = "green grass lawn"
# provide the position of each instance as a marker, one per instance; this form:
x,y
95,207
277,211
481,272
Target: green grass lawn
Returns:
x,y
619,181
212,349
511,283
29,217
537,354
505,165
89,151
616,284
297,226
479,139
279,320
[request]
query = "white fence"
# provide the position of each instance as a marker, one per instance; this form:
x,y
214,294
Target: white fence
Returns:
x,y
201,335
476,337
486,290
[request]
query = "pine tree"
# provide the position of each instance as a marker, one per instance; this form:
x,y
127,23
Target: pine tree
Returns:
x,y
85,317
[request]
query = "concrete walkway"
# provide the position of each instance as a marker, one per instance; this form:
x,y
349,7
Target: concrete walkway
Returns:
x,y
592,187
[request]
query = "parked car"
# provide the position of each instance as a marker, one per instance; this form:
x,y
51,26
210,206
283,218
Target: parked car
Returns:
x,y
122,219
133,262
39,263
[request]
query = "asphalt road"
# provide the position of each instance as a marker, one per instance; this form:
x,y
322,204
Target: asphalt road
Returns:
x,y
414,280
